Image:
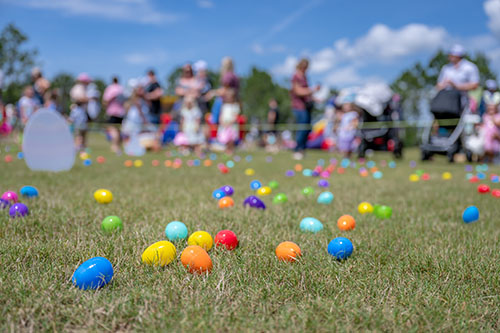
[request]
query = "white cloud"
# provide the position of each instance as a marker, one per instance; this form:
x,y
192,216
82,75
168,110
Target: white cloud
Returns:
x,y
492,10
150,58
140,11
205,4
286,68
258,48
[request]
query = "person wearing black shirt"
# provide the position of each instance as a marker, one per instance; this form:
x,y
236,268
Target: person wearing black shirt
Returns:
x,y
153,96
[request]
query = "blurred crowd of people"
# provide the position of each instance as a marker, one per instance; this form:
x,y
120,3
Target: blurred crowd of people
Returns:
x,y
208,115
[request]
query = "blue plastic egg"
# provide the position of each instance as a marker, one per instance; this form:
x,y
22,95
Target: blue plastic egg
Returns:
x,y
311,224
325,198
471,214
370,164
392,164
377,174
248,158
230,164
93,274
218,194
255,185
87,162
29,191
481,175
20,155
341,248
213,156
196,162
176,230
307,172
345,162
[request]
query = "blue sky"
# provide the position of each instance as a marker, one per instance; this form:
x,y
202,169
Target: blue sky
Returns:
x,y
349,42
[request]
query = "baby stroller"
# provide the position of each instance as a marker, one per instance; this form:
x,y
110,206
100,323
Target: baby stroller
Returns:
x,y
378,104
446,139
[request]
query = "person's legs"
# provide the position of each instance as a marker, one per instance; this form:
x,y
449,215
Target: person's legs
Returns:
x,y
302,118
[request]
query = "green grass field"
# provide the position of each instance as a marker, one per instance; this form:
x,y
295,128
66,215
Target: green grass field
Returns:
x,y
421,270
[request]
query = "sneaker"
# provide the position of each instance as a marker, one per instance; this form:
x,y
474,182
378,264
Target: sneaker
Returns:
x,y
298,156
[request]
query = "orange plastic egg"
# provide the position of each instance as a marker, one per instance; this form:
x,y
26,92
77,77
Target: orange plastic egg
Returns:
x,y
226,202
346,222
288,251
128,163
196,259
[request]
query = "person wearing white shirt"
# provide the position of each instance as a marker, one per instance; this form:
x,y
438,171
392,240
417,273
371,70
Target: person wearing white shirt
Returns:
x,y
459,73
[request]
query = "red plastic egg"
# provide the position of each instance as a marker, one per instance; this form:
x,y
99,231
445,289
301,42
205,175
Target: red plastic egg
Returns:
x,y
226,238
483,188
495,193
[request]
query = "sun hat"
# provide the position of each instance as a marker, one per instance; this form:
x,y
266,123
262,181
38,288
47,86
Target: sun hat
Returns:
x,y
457,50
84,77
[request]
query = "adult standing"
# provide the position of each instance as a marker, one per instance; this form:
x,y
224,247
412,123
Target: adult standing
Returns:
x,y
153,94
40,84
302,105
113,99
459,73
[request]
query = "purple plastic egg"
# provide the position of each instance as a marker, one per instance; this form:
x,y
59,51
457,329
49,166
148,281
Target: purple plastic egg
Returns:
x,y
228,190
254,202
290,173
323,183
18,210
4,204
315,173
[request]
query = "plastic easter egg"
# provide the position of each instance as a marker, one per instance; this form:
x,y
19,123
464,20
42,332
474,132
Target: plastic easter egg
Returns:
x,y
248,158
201,238
100,159
307,173
254,202
346,223
341,248
196,260
392,164
495,193
311,224
298,167
414,177
87,162
481,175
176,230
18,210
382,212
325,198
323,183
230,164
103,196
378,175
128,163
222,168
4,204
425,176
280,198
264,190
155,163
365,208
111,223
228,190
218,194
226,202
473,179
255,185
84,156
470,214
138,163
273,184
483,189
227,239
288,251
207,163
446,175
160,253
289,173
8,158
93,273
308,190
249,172
10,196
29,192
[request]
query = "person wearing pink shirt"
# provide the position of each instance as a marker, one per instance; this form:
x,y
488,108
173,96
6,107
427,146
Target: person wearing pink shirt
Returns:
x,y
114,100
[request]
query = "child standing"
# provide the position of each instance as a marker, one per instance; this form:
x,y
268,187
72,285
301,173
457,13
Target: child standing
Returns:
x,y
228,131
78,117
191,135
346,133
491,132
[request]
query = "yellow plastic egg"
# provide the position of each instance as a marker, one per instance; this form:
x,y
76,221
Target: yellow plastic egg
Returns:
x,y
414,177
84,156
138,163
446,175
159,254
365,208
201,238
264,190
249,172
103,196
